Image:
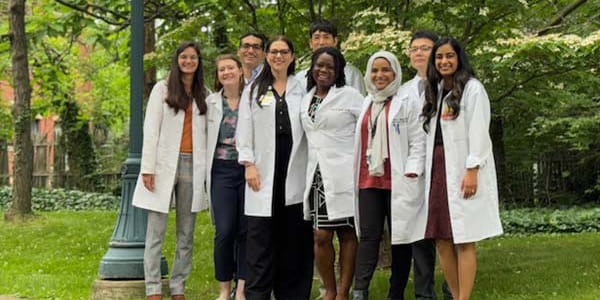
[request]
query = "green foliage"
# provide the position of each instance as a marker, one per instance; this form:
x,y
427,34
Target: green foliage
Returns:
x,y
6,128
547,220
61,199
543,88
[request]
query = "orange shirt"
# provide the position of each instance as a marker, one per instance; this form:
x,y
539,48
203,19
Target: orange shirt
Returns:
x,y
186,135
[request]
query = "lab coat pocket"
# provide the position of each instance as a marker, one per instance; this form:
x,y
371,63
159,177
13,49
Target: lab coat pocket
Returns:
x,y
412,191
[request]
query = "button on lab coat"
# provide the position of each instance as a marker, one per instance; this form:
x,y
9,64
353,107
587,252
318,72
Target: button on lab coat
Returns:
x,y
255,140
331,146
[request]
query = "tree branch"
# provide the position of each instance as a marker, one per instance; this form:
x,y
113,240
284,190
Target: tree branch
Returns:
x,y
88,10
529,79
253,12
561,16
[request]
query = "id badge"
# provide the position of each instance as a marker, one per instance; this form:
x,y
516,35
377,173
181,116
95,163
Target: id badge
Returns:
x,y
267,99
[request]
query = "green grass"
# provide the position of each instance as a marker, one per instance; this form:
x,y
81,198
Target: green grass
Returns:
x,y
56,256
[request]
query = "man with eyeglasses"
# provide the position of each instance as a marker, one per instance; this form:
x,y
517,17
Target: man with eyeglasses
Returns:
x,y
323,33
252,54
419,50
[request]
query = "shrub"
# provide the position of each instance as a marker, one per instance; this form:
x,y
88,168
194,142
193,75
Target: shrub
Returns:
x,y
550,220
61,199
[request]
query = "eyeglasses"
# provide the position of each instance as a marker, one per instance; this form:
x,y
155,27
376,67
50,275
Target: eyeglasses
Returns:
x,y
256,47
423,48
191,57
282,52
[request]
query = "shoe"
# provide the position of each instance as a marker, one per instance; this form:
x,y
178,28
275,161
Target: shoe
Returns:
x,y
154,297
360,295
177,297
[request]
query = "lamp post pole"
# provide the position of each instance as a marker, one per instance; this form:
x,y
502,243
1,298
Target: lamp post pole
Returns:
x,y
125,256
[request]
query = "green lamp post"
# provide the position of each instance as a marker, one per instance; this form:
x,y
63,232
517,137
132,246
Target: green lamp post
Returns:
x,y
125,256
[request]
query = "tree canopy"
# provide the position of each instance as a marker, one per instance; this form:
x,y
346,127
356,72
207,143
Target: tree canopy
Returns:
x,y
537,59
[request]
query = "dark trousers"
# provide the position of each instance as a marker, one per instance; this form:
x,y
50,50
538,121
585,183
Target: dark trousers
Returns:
x,y
424,271
227,202
280,256
424,259
280,248
374,207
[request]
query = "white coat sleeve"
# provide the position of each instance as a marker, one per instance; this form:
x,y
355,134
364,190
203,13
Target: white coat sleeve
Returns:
x,y
244,133
478,123
415,162
152,125
355,79
356,104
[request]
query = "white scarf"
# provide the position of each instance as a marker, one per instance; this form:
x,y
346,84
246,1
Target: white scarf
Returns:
x,y
377,147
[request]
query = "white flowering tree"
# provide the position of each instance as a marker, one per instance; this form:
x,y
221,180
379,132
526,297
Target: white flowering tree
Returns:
x,y
542,83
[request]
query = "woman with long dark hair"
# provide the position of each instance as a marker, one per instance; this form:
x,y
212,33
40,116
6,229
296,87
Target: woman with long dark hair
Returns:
x,y
225,177
461,189
329,113
272,147
173,164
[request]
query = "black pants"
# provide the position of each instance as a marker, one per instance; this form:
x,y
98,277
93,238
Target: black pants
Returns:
x,y
374,207
227,203
280,256
279,249
424,271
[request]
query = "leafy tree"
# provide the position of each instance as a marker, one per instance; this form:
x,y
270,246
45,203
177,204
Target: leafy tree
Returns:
x,y
23,166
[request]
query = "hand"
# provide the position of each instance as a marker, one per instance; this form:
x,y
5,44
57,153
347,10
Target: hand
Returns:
x,y
252,177
411,175
468,186
148,181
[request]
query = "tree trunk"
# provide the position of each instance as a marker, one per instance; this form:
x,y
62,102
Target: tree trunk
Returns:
x,y
281,16
497,136
149,47
23,159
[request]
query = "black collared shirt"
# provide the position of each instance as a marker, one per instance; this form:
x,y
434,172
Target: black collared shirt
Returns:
x,y
282,117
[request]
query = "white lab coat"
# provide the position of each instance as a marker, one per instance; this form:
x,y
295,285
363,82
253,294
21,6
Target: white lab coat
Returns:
x,y
406,141
255,138
214,117
467,144
160,153
331,146
353,78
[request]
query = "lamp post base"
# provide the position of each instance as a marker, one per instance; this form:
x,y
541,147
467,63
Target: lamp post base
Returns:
x,y
123,289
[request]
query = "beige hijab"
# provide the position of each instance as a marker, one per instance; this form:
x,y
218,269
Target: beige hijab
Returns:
x,y
377,147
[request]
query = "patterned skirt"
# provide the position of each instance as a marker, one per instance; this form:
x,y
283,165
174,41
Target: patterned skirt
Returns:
x,y
438,218
318,207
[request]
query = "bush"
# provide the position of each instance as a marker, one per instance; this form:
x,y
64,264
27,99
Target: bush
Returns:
x,y
549,220
61,199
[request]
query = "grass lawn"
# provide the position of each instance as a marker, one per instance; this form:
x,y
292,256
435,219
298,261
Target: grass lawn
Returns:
x,y
56,256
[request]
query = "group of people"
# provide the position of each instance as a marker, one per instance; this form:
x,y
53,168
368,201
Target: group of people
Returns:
x,y
290,159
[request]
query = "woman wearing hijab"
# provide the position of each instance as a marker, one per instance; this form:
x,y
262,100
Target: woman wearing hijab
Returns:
x,y
383,80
